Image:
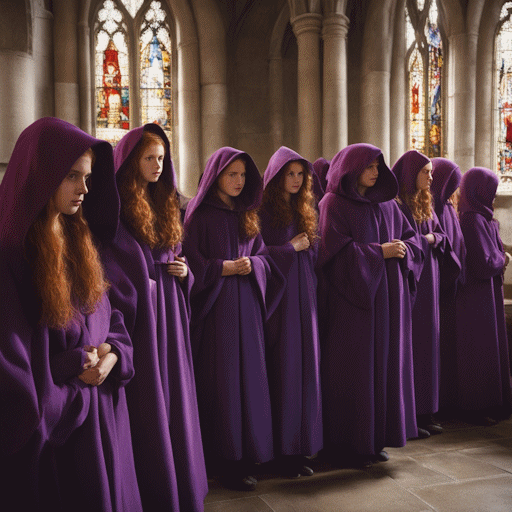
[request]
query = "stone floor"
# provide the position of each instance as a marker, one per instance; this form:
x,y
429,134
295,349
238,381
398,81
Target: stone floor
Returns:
x,y
465,469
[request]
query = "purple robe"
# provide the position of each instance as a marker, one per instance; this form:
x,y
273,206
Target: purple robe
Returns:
x,y
162,398
483,372
320,168
367,374
425,315
293,352
64,445
446,177
227,318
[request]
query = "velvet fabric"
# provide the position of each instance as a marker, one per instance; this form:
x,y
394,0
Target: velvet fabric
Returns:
x,y
293,349
366,365
228,313
320,168
446,178
483,371
162,397
425,317
64,445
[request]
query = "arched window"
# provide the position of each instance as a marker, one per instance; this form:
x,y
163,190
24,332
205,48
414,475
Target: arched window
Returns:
x,y
424,61
133,67
503,108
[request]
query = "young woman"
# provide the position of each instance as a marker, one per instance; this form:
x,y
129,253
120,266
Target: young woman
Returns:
x,y
446,178
151,286
413,171
236,287
369,263
289,228
65,356
482,362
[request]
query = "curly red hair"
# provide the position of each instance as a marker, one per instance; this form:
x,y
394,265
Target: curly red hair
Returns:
x,y
67,270
153,214
420,204
301,207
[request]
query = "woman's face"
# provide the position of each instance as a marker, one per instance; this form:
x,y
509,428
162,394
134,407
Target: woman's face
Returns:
x,y
231,180
151,163
424,178
70,194
369,176
293,177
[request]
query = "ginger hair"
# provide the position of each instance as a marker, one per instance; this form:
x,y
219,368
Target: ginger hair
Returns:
x,y
67,270
301,206
420,204
152,214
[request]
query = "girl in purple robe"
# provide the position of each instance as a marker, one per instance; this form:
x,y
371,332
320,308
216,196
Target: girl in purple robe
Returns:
x,y
151,286
65,356
289,230
413,171
236,287
483,371
369,263
446,178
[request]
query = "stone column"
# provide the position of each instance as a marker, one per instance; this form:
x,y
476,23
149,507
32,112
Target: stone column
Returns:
x,y
189,115
306,28
276,102
84,77
66,69
462,96
43,63
335,111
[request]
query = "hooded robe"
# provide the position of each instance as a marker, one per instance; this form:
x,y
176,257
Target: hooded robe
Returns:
x,y
65,445
425,315
293,352
446,178
367,377
162,397
227,317
483,371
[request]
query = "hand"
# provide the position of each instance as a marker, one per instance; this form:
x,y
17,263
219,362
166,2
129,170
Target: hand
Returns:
x,y
243,266
507,261
103,349
300,242
178,268
431,239
394,249
97,375
91,356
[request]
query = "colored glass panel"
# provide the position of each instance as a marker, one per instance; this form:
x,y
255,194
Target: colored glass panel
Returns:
x,y
155,69
111,74
133,6
504,100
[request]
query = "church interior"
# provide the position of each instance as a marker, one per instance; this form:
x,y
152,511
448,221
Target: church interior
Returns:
x,y
313,75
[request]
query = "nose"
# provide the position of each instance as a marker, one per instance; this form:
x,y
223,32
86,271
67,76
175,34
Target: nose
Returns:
x,y
82,189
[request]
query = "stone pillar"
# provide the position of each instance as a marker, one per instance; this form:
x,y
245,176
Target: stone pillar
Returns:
x,y
66,69
306,28
189,115
43,63
84,77
335,110
462,100
276,102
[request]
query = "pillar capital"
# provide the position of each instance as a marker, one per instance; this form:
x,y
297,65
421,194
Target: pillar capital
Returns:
x,y
335,25
310,22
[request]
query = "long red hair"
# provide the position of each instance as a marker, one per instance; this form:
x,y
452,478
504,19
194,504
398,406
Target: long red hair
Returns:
x,y
301,206
153,214
67,270
420,204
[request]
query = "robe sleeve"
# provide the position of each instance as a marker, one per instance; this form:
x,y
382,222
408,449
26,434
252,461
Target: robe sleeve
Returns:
x,y
353,268
68,364
484,259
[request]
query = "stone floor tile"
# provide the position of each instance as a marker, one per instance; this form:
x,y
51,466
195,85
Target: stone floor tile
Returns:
x,y
483,495
458,466
254,504
496,454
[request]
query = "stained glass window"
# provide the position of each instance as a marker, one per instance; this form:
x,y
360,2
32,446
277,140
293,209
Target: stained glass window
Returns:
x,y
112,89
424,66
504,98
133,6
155,69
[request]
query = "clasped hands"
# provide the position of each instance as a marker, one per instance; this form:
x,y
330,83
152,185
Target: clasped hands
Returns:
x,y
99,363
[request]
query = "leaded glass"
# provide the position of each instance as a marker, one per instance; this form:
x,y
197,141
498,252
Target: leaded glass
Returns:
x,y
111,74
155,69
504,100
425,82
132,6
